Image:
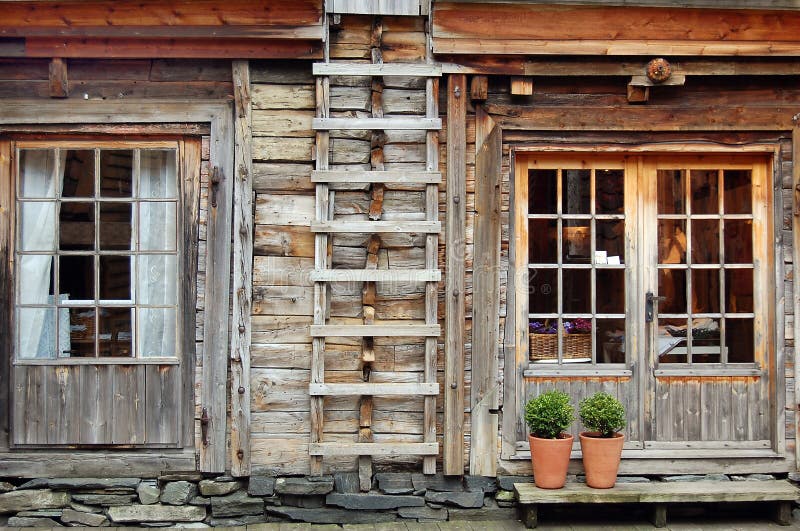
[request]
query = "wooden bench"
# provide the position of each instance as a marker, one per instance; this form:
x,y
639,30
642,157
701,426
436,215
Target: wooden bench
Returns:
x,y
659,495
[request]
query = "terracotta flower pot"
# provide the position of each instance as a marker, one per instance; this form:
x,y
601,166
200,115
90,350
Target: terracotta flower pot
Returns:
x,y
601,456
550,459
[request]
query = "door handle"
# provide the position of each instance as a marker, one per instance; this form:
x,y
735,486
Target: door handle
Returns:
x,y
650,300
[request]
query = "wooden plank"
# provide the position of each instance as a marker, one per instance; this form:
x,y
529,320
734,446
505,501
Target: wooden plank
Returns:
x,y
796,265
96,463
484,391
395,123
62,404
377,227
165,31
382,69
59,84
383,449
217,296
521,85
6,286
242,271
385,176
379,7
127,406
454,289
162,405
376,275
375,389
96,400
378,330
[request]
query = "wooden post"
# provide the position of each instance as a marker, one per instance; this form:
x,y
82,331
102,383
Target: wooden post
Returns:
x,y
454,288
795,265
638,94
479,88
242,273
59,85
486,289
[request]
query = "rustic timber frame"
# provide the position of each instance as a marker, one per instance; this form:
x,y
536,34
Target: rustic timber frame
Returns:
x,y
33,116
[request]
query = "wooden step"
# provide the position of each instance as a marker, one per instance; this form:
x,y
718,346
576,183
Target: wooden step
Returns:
x,y
373,449
397,176
376,275
382,69
392,124
373,389
377,227
375,331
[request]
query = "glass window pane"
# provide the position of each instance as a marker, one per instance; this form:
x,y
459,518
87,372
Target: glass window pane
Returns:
x,y
610,341
739,290
76,226
542,243
576,247
543,290
671,191
740,340
706,341
35,273
36,333
705,192
115,277
116,172
738,241
158,174
78,173
542,191
38,226
610,191
611,239
157,226
38,175
114,335
76,277
157,329
705,291
738,193
671,344
115,226
157,281
610,285
672,286
671,241
82,328
575,191
705,241
577,291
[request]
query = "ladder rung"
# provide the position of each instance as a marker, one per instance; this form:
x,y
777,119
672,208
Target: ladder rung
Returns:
x,y
374,389
383,69
377,227
373,449
376,275
393,124
375,330
389,176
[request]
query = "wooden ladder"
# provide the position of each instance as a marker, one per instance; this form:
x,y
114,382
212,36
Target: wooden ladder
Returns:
x,y
327,181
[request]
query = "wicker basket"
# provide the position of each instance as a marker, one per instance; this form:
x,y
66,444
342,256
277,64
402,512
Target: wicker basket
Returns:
x,y
545,346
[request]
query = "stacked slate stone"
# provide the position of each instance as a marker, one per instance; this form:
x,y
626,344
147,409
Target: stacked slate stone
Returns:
x,y
192,500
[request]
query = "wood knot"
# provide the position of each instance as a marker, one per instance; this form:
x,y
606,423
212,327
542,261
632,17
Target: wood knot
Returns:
x,y
659,70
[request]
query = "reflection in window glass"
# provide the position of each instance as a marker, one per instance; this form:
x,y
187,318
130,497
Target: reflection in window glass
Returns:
x,y
705,241
116,172
671,191
705,193
705,291
575,191
78,173
542,191
610,192
672,241
738,193
738,241
543,244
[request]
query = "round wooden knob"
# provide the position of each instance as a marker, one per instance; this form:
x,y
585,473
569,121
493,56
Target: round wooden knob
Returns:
x,y
658,70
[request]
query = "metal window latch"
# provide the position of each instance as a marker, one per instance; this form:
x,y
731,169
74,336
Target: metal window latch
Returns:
x,y
204,426
215,180
650,299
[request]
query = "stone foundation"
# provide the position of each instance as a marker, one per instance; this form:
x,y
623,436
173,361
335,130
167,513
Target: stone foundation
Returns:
x,y
191,500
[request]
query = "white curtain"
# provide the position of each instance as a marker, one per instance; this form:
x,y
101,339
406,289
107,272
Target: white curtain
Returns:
x,y
40,178
157,273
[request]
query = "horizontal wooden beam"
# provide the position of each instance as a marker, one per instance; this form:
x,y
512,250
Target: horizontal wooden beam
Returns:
x,y
342,449
379,69
374,389
377,227
392,124
388,176
314,32
375,331
376,275
644,81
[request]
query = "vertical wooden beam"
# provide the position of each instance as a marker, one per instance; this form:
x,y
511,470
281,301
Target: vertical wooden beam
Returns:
x,y
242,272
795,276
454,287
59,85
638,94
486,289
479,88
5,289
217,295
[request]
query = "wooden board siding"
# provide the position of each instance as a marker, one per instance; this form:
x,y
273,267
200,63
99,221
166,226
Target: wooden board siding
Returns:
x,y
469,28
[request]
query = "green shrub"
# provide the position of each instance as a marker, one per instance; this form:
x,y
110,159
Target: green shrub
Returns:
x,y
549,414
602,413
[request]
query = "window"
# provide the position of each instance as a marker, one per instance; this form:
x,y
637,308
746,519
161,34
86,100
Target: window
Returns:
x,y
97,251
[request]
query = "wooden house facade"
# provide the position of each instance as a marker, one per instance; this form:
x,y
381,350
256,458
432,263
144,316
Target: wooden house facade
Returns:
x,y
272,239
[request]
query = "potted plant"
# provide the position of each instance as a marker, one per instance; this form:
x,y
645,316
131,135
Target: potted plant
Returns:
x,y
603,416
548,416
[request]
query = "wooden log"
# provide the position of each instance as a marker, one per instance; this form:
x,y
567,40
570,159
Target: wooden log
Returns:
x,y
796,263
378,330
382,389
366,69
59,85
374,449
521,85
453,451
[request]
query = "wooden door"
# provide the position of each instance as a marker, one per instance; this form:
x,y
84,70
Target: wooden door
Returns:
x,y
708,303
